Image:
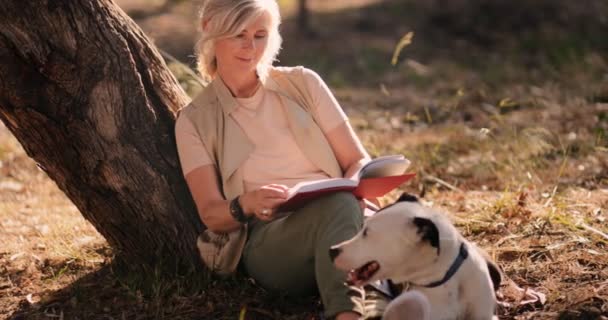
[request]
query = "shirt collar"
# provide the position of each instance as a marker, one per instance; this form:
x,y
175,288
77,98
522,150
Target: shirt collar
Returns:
x,y
225,98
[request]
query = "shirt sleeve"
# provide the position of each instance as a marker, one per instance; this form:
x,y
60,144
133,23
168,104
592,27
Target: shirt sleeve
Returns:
x,y
190,147
326,109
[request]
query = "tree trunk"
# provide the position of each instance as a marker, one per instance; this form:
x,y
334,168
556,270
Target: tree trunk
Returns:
x,y
91,100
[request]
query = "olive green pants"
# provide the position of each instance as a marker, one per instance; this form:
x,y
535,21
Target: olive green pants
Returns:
x,y
291,255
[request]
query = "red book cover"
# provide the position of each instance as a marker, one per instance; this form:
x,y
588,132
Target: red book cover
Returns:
x,y
378,187
374,179
366,188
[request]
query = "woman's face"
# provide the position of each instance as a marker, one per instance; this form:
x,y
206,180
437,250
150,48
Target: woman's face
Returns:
x,y
243,52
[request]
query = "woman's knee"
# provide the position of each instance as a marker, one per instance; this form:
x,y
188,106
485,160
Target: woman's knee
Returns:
x,y
340,205
340,199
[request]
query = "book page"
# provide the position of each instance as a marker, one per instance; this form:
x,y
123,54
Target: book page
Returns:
x,y
384,166
315,185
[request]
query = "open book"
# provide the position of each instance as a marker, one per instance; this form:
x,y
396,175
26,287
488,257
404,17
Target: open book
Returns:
x,y
374,179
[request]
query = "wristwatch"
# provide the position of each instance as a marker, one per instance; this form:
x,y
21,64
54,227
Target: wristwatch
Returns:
x,y
237,211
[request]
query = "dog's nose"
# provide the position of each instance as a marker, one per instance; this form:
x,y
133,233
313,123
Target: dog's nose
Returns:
x,y
334,252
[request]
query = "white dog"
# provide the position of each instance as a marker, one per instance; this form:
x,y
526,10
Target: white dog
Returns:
x,y
406,242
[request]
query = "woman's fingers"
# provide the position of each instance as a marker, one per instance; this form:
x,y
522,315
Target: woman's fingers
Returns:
x,y
264,201
276,190
269,207
278,186
274,202
265,214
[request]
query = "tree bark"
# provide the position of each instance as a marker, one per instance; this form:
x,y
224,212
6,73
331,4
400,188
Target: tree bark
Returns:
x,y
93,103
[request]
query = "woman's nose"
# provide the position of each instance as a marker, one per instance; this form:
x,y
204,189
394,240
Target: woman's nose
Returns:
x,y
248,43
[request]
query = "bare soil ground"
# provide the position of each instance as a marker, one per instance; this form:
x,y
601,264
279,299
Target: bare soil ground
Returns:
x,y
502,109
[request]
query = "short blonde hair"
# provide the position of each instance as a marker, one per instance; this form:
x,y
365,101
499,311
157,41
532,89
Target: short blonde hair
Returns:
x,y
227,18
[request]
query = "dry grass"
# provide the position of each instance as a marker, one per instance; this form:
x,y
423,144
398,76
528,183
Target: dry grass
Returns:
x,y
517,157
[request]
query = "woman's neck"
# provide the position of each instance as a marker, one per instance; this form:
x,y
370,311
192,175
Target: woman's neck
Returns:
x,y
241,86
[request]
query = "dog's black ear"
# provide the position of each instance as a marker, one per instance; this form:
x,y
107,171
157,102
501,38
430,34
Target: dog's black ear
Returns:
x,y
495,274
428,231
406,197
493,269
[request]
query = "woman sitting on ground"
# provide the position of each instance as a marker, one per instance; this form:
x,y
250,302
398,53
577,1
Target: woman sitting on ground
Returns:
x,y
257,130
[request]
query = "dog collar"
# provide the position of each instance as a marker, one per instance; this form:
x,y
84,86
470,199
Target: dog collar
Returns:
x,y
462,255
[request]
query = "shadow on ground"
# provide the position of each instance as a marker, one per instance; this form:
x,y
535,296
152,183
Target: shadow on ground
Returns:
x,y
108,293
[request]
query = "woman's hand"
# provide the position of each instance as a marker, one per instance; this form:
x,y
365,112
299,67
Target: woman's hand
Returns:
x,y
263,202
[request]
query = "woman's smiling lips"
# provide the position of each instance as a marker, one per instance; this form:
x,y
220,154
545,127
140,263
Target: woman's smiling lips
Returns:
x,y
245,59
